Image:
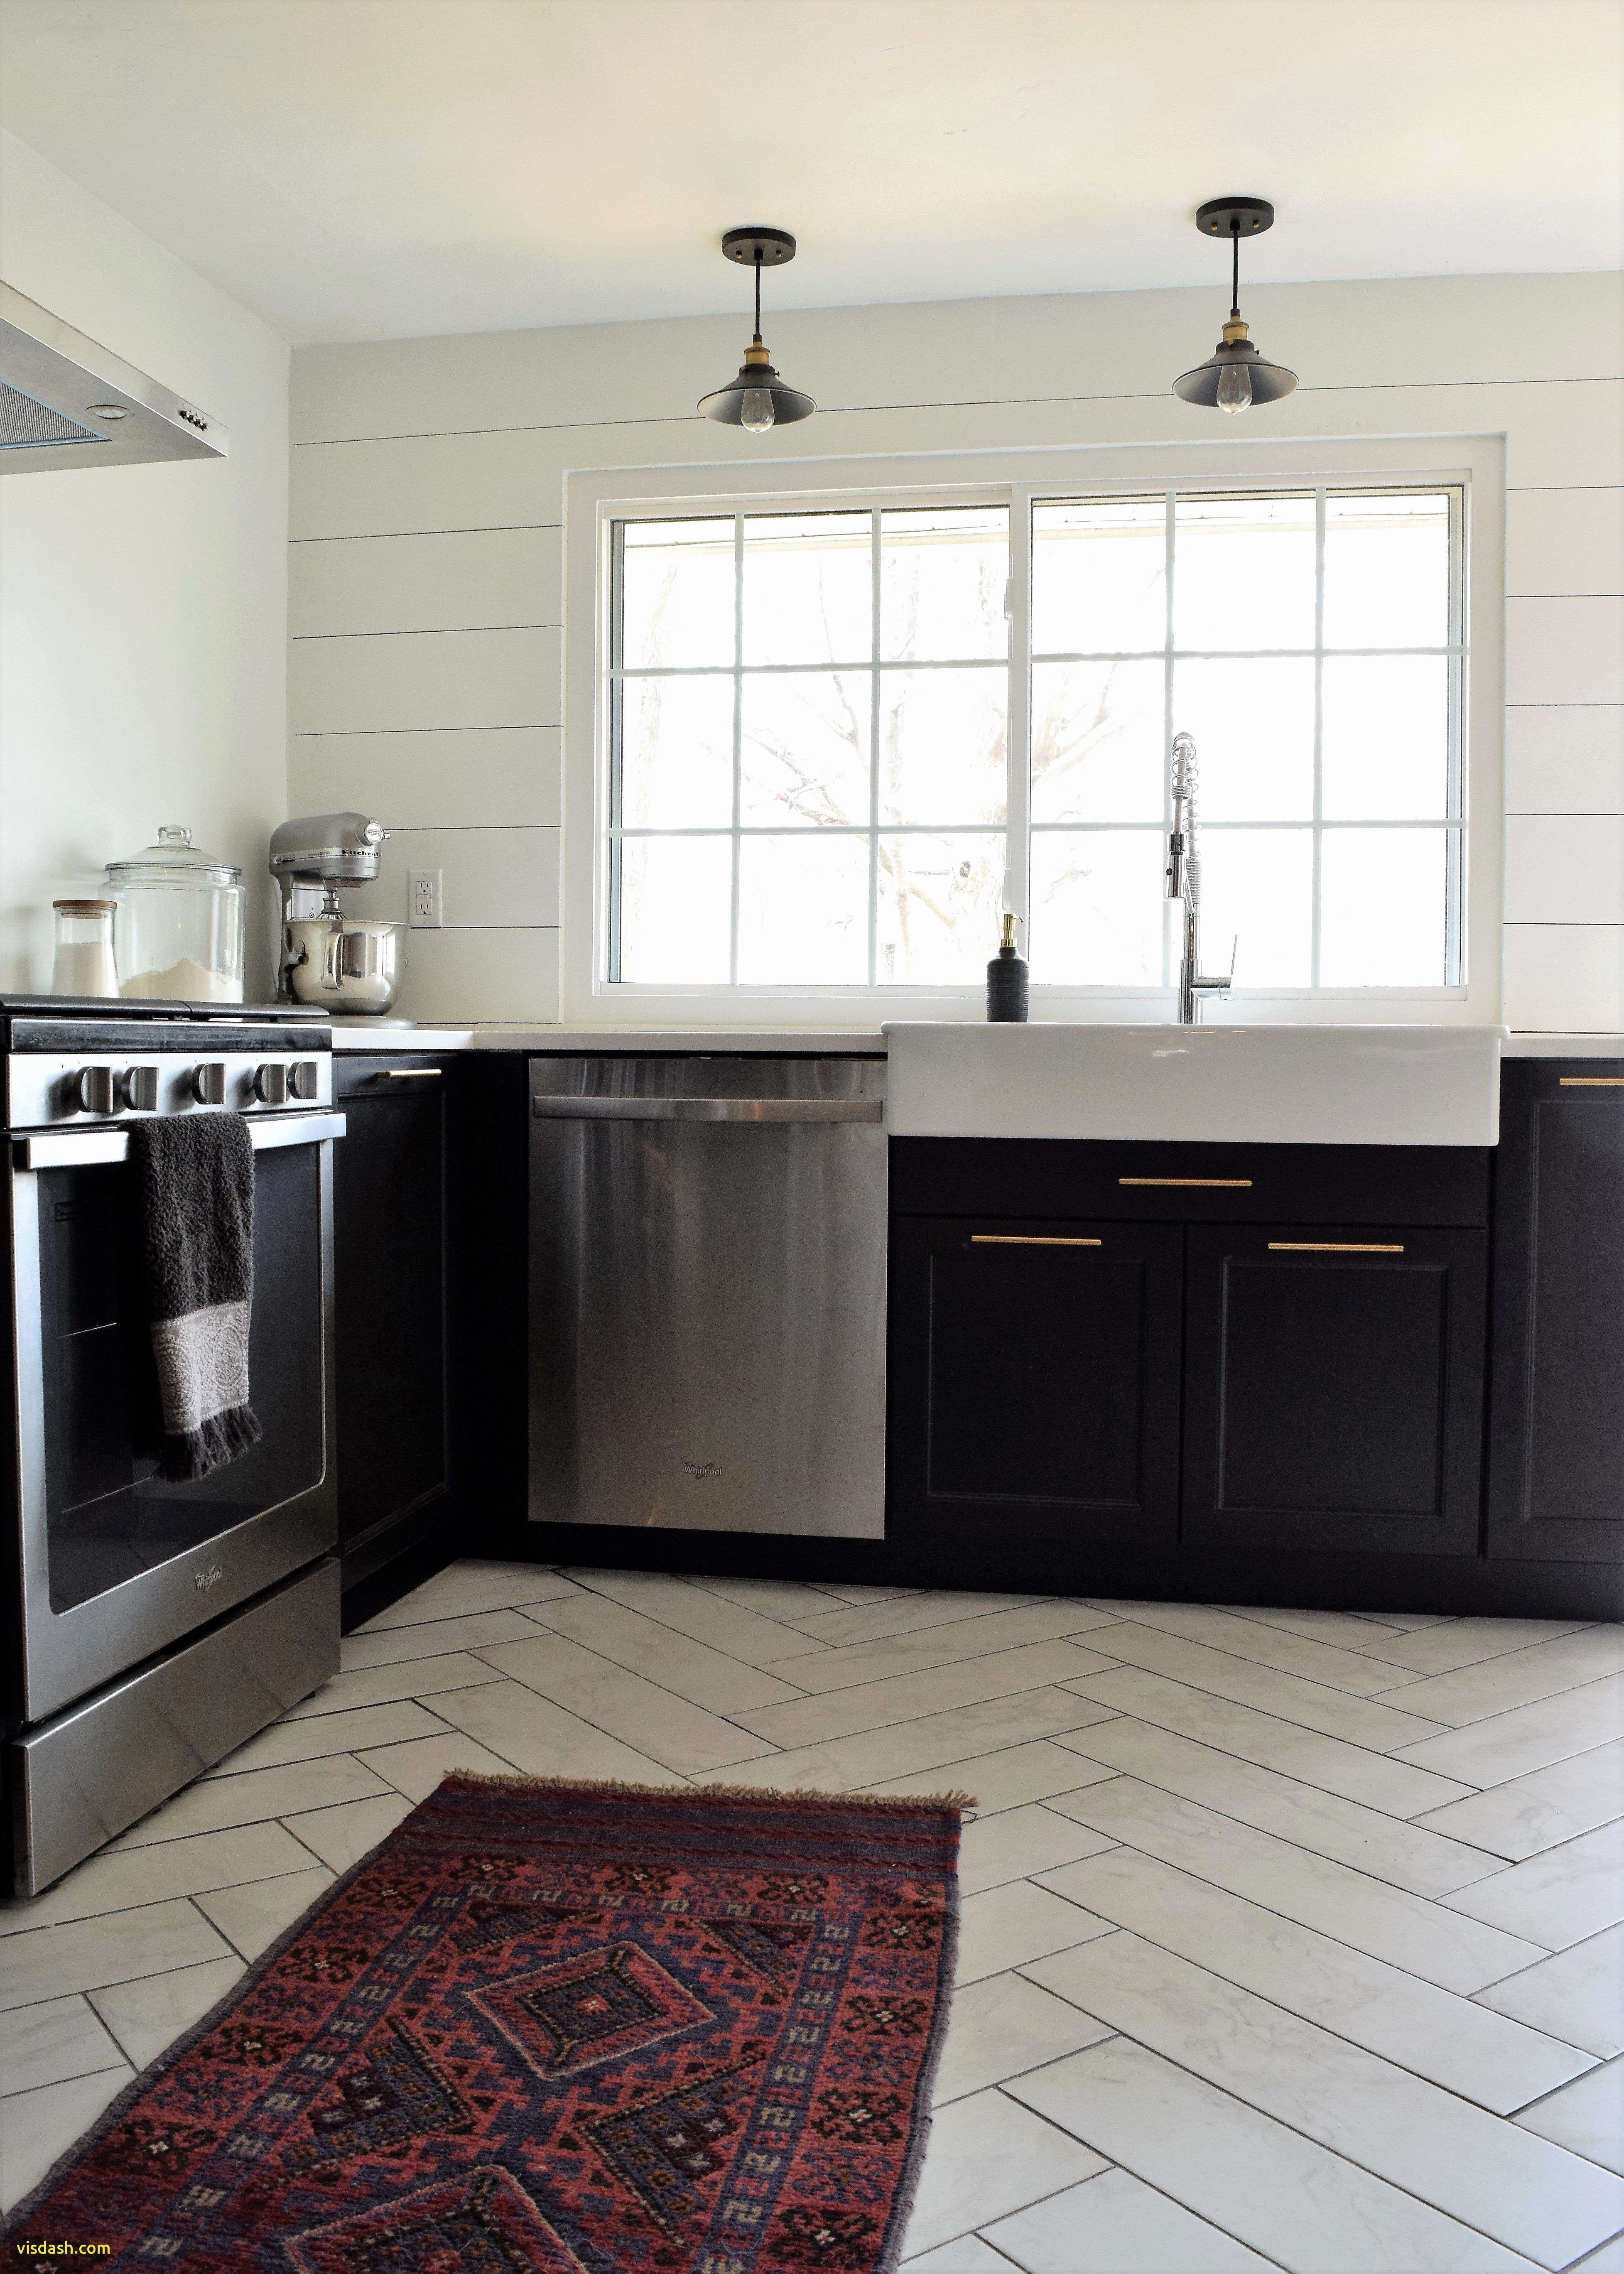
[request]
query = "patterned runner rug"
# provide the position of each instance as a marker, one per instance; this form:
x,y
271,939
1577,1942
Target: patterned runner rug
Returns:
x,y
556,2028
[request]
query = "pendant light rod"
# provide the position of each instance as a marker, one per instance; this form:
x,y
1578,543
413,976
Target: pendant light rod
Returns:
x,y
1234,270
758,270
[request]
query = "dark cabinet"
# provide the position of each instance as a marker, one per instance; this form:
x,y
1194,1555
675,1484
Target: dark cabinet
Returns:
x,y
1556,1462
390,1272
1034,1381
1333,1389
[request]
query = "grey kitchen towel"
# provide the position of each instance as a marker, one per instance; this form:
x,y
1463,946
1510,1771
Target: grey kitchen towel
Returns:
x,y
194,1181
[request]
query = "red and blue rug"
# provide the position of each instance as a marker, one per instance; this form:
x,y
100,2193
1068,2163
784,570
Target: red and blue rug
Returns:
x,y
554,2029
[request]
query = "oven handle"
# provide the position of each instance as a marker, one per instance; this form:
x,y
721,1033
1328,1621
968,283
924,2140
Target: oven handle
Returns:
x,y
81,1148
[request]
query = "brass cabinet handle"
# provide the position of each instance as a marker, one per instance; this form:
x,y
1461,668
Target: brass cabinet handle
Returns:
x,y
1027,1239
1590,1081
1335,1247
1223,1184
411,1073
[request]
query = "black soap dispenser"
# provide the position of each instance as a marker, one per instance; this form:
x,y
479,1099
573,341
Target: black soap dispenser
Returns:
x,y
1006,978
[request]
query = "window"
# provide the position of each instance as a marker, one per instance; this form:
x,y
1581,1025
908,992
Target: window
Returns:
x,y
842,740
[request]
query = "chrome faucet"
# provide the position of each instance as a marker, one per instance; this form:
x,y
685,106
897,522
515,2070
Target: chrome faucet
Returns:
x,y
1183,883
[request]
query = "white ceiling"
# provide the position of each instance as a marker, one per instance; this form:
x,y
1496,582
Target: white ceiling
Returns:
x,y
376,169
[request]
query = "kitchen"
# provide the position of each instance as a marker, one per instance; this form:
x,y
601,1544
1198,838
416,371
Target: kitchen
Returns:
x,y
1219,1359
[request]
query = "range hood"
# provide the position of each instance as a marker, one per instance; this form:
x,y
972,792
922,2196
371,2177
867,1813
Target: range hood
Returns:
x,y
66,401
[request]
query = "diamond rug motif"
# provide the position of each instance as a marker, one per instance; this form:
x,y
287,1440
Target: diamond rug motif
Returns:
x,y
548,2028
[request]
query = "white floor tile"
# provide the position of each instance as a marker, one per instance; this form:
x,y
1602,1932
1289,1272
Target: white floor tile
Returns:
x,y
253,1798
1530,2197
250,1919
324,1733
1002,2026
1282,2193
1011,1926
1542,1810
1586,2116
1498,2063
536,1737
1018,1842
1348,1630
966,2255
62,2038
417,1767
1426,1862
431,1638
945,1646
736,1632
987,2158
939,1738
52,1960
1500,1685
340,1836
377,1686
1007,1779
147,2016
121,1880
1608,2260
1577,1996
464,1589
1511,1745
934,1690
693,1670
1240,1637
36,2127
1464,1642
845,1594
770,1599
1115,2224
872,1622
1243,1682
640,1714
1417,1936
1564,1896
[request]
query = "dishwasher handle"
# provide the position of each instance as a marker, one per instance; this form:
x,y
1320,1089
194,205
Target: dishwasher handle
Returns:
x,y
757,1109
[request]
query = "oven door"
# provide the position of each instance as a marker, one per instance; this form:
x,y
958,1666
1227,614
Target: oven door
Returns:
x,y
116,1564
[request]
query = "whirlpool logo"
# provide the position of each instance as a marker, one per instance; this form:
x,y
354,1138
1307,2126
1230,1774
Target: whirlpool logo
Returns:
x,y
700,1470
204,1580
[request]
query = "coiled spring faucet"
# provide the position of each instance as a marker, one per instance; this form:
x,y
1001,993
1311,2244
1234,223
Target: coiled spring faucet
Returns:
x,y
1183,885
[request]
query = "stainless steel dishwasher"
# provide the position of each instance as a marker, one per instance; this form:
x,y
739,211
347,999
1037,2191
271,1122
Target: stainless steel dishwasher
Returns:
x,y
707,1293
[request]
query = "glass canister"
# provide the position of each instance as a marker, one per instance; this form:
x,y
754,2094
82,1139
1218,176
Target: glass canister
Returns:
x,y
84,962
177,933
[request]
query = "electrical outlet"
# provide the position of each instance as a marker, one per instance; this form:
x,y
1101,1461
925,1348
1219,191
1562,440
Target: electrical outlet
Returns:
x,y
423,899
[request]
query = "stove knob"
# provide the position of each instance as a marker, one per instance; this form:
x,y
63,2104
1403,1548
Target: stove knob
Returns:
x,y
302,1078
208,1082
94,1091
270,1084
138,1089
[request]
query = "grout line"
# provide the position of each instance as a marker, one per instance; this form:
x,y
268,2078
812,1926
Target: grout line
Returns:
x,y
421,631
388,536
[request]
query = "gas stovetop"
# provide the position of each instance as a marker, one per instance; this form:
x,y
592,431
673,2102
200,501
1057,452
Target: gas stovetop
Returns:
x,y
103,1008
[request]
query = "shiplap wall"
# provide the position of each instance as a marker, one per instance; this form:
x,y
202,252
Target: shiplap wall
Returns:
x,y
428,498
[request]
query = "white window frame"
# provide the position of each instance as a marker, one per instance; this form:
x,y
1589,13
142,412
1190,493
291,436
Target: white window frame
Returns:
x,y
596,499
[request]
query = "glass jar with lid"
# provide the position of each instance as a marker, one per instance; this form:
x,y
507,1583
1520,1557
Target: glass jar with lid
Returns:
x,y
177,933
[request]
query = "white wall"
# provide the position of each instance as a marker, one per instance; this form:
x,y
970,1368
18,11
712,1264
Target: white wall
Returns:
x,y
143,609
428,501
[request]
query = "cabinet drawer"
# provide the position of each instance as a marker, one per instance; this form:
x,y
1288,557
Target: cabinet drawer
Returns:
x,y
1191,1184
1333,1387
394,1075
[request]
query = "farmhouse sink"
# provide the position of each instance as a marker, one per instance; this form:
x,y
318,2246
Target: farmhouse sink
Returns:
x,y
1221,1084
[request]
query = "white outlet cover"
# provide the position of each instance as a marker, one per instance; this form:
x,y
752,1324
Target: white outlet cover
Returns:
x,y
423,899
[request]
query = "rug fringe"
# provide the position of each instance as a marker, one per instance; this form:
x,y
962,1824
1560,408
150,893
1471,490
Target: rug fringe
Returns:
x,y
954,1799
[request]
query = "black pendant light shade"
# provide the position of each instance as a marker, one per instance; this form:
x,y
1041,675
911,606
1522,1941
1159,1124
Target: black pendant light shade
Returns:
x,y
1235,375
758,398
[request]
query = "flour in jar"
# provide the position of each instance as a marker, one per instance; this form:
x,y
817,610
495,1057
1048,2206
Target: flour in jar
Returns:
x,y
185,981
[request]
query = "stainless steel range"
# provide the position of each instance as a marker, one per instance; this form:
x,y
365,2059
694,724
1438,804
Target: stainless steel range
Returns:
x,y
153,1626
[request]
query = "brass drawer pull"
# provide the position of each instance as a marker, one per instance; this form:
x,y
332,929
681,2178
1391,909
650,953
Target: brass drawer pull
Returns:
x,y
1335,1247
1026,1239
1212,1183
1591,1080
412,1073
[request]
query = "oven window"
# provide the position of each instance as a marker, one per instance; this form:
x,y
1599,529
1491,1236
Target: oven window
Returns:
x,y
109,1516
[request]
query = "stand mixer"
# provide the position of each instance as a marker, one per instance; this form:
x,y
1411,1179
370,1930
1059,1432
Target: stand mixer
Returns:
x,y
332,961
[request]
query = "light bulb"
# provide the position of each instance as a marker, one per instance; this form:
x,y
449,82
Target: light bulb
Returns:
x,y
756,414
1235,387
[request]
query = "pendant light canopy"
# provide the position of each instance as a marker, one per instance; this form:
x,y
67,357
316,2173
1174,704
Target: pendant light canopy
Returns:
x,y
758,398
1235,376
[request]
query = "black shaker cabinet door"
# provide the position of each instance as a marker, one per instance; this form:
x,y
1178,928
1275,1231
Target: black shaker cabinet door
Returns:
x,y
1556,1448
1033,1380
389,1269
1333,1393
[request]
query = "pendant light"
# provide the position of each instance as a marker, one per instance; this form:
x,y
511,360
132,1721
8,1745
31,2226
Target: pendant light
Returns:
x,y
758,398
1235,376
